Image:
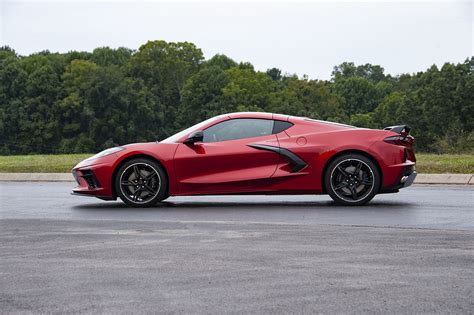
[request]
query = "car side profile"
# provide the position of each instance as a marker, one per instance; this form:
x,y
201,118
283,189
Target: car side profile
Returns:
x,y
254,153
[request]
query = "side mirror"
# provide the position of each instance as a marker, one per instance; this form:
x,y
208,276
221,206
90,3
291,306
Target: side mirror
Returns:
x,y
194,137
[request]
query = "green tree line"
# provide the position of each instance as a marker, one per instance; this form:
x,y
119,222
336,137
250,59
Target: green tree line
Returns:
x,y
87,101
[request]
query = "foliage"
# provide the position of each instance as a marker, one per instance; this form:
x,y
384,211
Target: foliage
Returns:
x,y
86,101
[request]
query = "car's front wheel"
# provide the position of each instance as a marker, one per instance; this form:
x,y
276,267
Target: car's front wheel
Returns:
x,y
352,179
141,183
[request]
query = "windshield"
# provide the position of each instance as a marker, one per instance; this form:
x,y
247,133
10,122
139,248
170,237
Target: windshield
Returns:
x,y
184,132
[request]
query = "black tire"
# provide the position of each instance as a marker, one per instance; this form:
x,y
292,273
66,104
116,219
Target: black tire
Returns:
x,y
141,182
352,180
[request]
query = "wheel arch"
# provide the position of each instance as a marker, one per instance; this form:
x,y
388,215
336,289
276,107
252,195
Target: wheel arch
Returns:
x,y
136,156
350,151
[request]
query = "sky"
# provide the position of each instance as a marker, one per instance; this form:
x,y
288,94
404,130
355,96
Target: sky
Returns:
x,y
300,37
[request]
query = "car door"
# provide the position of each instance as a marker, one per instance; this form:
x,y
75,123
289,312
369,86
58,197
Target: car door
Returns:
x,y
224,162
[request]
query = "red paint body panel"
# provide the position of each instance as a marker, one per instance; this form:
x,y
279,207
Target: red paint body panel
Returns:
x,y
216,167
234,167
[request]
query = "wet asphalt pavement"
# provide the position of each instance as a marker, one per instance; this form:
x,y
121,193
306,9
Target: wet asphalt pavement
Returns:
x,y
402,253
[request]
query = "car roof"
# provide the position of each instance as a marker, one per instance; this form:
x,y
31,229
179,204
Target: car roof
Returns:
x,y
293,119
260,115
317,121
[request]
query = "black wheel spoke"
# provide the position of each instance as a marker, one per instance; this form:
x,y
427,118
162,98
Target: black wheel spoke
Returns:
x,y
149,189
353,192
366,182
137,194
127,183
343,171
150,176
136,171
340,185
357,169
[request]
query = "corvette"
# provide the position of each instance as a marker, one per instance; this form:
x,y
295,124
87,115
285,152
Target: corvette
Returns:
x,y
254,153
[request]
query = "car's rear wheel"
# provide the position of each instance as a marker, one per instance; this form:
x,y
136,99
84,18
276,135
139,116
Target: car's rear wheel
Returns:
x,y
141,183
352,179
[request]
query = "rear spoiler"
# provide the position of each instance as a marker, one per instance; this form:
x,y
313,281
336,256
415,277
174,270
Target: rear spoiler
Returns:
x,y
402,129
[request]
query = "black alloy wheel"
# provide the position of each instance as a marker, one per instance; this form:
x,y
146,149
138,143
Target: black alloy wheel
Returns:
x,y
141,183
352,179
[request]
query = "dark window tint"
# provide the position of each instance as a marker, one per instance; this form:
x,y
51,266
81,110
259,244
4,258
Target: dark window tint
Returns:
x,y
238,129
280,125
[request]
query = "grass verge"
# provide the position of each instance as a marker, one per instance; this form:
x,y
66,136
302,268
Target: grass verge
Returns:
x,y
445,163
426,163
45,163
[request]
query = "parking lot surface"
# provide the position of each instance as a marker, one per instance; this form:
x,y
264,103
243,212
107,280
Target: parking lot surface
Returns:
x,y
402,253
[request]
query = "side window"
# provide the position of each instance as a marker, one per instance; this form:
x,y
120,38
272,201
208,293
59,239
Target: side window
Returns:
x,y
280,125
238,128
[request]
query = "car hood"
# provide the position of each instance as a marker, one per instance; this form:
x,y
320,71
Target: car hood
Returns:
x,y
154,149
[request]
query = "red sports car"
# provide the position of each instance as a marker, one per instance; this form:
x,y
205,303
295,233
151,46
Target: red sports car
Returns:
x,y
254,153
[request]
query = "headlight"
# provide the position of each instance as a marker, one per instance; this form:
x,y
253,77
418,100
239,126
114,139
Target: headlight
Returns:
x,y
106,152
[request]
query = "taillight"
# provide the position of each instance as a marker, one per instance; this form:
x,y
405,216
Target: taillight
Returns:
x,y
400,140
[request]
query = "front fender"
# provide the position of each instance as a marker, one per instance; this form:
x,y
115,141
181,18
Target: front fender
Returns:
x,y
163,153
